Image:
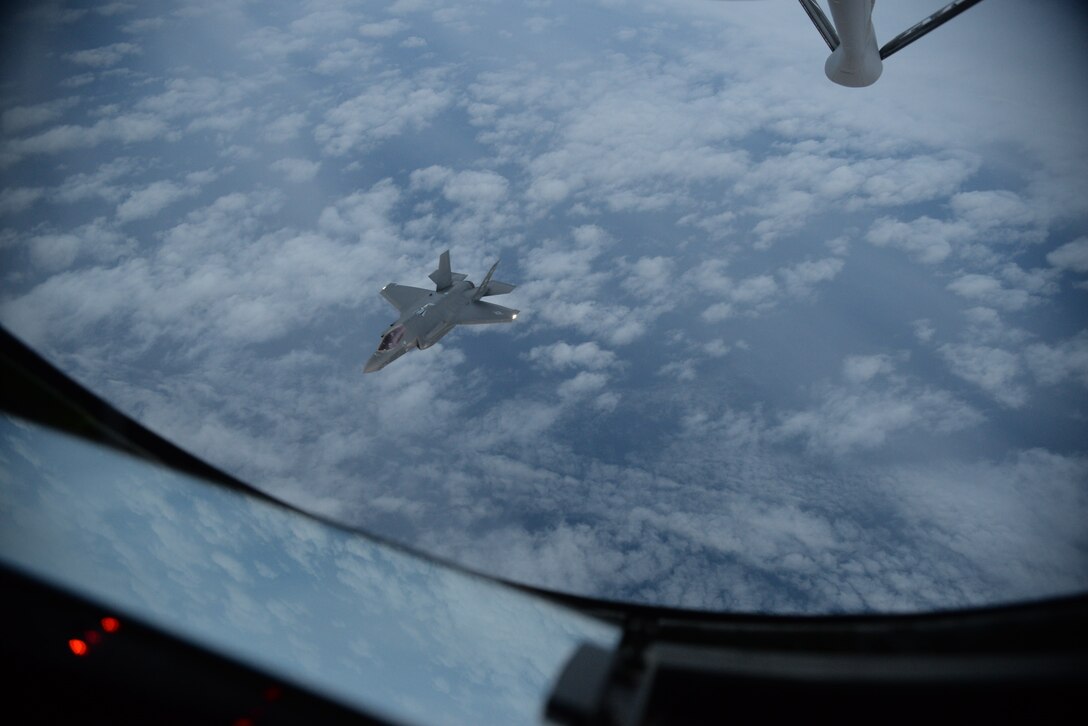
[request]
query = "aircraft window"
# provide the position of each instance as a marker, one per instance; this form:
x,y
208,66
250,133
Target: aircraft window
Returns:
x,y
784,346
392,338
293,597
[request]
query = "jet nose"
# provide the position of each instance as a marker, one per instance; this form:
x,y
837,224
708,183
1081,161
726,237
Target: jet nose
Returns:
x,y
375,363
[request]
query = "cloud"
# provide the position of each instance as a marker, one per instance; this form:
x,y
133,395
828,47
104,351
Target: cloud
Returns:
x,y
383,29
750,295
346,56
860,182
562,355
564,277
1016,520
980,221
297,170
710,277
324,21
717,226
80,79
717,312
125,128
583,384
53,14
105,56
862,368
19,118
680,370
716,348
923,329
211,102
791,187
478,190
847,420
143,25
563,269
1064,361
996,213
431,177
628,138
17,199
756,294
115,8
272,45
994,370
652,276
989,290
385,109
54,252
986,326
541,24
611,175
916,179
195,291
801,279
152,199
101,183
285,127
754,290
928,240
366,213
1072,256
546,192
830,549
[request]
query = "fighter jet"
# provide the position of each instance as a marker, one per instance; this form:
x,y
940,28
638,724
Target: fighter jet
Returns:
x,y
426,316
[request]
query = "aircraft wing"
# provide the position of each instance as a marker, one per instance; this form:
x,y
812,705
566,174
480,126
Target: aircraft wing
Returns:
x,y
403,296
481,313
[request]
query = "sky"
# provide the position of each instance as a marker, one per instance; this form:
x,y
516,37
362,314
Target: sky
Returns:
x,y
784,346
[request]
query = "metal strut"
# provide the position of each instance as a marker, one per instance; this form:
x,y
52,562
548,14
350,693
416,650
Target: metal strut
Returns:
x,y
825,27
933,22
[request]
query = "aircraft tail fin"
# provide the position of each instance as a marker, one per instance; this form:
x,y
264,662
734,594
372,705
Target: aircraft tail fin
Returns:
x,y
491,288
487,281
443,277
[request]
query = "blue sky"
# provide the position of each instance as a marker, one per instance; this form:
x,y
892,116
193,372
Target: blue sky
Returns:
x,y
785,346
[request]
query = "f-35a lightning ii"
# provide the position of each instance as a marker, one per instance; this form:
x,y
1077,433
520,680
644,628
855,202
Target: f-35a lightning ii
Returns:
x,y
426,316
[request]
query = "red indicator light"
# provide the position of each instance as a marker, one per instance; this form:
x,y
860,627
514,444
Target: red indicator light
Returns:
x,y
111,625
93,637
77,646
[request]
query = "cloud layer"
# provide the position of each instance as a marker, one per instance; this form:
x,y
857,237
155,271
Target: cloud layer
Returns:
x,y
777,336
